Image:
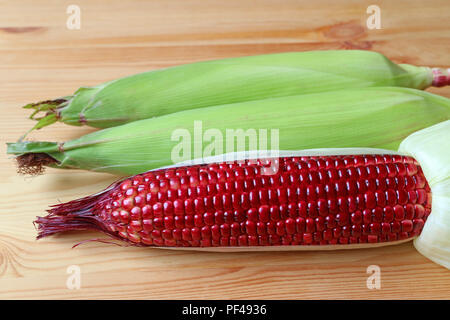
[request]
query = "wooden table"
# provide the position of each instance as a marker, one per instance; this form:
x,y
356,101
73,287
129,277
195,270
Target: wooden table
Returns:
x,y
41,58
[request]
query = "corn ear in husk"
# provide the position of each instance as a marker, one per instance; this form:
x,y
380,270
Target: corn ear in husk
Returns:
x,y
366,117
232,80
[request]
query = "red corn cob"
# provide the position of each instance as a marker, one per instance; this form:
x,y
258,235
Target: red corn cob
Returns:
x,y
316,200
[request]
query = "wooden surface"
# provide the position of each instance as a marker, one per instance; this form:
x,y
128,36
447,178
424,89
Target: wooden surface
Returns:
x,y
40,58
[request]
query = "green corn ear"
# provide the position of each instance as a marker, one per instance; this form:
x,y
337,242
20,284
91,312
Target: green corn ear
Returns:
x,y
232,80
366,117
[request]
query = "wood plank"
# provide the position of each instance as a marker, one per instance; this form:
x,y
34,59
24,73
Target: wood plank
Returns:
x,y
42,59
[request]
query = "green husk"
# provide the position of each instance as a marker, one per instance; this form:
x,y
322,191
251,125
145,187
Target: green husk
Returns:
x,y
366,117
218,82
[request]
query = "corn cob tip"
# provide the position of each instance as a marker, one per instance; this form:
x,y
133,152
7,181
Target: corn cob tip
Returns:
x,y
74,216
441,77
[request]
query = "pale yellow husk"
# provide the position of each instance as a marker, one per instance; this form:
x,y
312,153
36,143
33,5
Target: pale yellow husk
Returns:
x,y
431,148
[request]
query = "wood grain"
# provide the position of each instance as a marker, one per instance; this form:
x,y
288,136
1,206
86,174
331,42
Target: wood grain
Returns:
x,y
41,58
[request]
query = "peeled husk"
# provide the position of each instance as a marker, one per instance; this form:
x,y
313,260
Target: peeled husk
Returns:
x,y
431,148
